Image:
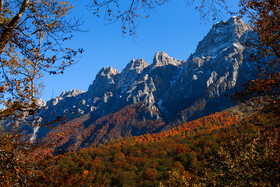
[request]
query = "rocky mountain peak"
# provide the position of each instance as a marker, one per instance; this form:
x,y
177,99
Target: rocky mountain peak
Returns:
x,y
240,26
129,73
71,93
136,65
222,35
104,81
162,59
107,72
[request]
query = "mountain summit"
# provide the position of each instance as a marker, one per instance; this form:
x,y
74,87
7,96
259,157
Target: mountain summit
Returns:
x,y
168,90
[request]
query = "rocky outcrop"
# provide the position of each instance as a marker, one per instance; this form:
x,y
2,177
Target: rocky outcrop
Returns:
x,y
130,73
162,59
221,35
105,81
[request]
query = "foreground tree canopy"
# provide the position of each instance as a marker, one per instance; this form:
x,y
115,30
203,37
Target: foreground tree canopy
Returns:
x,y
31,42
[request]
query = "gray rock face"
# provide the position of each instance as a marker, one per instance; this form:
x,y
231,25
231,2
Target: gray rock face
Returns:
x,y
132,70
105,81
66,104
71,93
221,36
162,59
167,86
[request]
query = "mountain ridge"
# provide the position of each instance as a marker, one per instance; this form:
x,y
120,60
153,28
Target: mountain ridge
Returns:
x,y
171,90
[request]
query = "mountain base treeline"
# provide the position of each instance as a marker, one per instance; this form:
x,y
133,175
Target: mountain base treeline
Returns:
x,y
221,149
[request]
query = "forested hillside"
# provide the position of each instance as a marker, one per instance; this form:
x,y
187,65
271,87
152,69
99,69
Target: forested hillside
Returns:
x,y
220,149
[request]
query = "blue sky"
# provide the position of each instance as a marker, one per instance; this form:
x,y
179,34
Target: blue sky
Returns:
x,y
175,28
